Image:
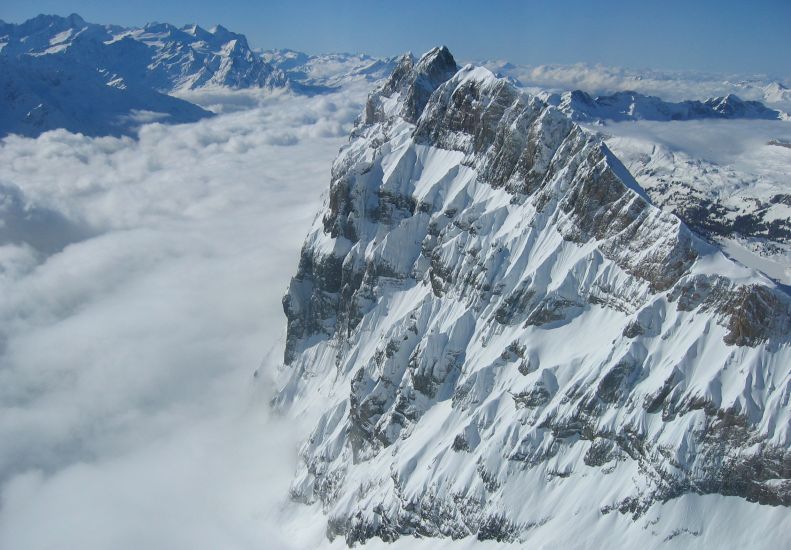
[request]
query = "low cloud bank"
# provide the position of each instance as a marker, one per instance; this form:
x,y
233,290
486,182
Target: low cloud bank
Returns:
x,y
669,85
133,317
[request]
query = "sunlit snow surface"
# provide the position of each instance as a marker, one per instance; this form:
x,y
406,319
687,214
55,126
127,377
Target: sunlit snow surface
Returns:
x,y
140,287
737,163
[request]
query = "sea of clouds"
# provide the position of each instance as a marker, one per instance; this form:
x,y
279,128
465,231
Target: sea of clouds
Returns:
x,y
669,85
140,288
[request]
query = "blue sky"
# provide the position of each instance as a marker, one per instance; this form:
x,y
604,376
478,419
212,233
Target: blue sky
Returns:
x,y
724,36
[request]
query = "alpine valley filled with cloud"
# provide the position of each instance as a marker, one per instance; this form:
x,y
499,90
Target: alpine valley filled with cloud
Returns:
x,y
265,299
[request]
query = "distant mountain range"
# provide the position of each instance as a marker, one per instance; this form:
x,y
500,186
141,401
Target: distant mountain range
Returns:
x,y
158,55
63,72
333,69
629,105
669,85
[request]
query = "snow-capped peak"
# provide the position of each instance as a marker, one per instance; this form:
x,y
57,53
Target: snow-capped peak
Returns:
x,y
775,92
171,58
502,337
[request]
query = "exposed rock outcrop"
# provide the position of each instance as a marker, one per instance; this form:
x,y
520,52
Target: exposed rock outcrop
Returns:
x,y
490,307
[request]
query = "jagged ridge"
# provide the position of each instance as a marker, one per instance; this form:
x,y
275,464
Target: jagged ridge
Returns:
x,y
489,302
158,55
62,72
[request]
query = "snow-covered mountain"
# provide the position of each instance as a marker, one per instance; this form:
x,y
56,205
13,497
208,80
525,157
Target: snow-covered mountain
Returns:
x,y
501,336
158,55
40,93
775,92
727,180
676,86
329,70
629,105
744,206
62,72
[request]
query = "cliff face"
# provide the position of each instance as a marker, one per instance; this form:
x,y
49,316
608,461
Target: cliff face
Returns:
x,y
495,320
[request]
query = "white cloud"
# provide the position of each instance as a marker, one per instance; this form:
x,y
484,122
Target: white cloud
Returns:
x,y
130,326
128,413
601,80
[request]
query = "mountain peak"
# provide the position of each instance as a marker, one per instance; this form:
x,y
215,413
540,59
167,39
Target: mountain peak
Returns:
x,y
223,34
163,28
413,82
52,21
472,232
75,19
437,60
197,31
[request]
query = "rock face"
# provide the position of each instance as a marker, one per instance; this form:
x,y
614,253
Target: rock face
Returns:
x,y
741,201
494,322
719,202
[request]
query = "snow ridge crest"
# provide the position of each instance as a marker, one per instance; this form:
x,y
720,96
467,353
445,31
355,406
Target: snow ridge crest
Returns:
x,y
489,307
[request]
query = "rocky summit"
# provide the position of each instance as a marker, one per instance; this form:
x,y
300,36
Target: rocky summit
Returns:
x,y
501,336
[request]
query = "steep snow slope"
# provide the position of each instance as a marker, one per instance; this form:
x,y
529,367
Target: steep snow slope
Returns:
x,y
502,337
61,72
777,93
737,198
43,93
728,179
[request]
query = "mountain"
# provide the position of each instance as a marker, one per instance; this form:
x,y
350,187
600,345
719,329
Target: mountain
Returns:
x,y
775,92
739,198
673,85
62,72
502,337
158,55
192,57
41,93
628,105
329,70
744,205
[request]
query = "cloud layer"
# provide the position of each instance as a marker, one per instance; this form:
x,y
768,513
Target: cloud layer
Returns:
x,y
133,317
602,80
